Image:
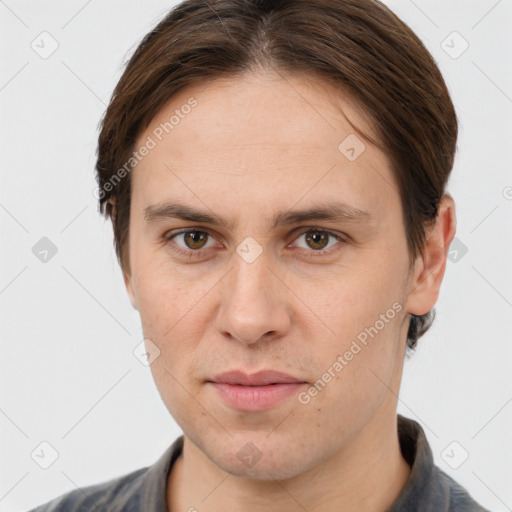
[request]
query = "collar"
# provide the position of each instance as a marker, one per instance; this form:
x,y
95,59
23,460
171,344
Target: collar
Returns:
x,y
428,489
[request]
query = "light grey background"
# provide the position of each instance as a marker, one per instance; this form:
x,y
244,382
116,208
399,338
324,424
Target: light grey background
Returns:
x,y
69,376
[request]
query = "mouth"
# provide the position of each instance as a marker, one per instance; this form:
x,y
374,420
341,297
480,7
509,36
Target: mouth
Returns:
x,y
257,392
261,378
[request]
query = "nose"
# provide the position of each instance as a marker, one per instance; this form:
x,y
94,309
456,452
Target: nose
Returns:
x,y
254,303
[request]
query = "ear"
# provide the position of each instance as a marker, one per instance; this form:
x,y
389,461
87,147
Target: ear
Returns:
x,y
128,282
126,274
110,204
430,266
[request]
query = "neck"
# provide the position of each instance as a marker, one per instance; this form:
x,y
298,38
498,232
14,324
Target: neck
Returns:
x,y
367,474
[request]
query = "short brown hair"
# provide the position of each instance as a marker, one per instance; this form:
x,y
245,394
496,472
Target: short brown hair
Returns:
x,y
359,45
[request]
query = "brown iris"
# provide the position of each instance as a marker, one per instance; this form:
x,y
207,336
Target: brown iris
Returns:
x,y
317,238
195,237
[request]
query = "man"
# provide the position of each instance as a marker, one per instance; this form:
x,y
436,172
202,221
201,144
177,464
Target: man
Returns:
x,y
275,173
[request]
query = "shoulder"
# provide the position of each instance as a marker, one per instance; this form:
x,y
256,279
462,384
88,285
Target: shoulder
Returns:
x,y
459,498
109,496
429,488
142,489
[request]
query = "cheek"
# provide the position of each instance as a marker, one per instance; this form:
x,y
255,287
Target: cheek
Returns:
x,y
362,344
175,390
165,295
353,382
173,312
351,301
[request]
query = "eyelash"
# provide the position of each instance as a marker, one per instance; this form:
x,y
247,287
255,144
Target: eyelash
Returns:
x,y
168,237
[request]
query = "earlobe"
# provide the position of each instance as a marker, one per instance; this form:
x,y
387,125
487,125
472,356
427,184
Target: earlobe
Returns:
x,y
430,266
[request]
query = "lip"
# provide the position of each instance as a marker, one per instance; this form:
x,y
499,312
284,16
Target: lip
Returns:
x,y
261,378
257,392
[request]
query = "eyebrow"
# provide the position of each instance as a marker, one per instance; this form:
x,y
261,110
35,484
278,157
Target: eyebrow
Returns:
x,y
336,212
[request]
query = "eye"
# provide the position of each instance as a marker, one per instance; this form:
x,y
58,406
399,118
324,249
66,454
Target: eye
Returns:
x,y
317,239
194,241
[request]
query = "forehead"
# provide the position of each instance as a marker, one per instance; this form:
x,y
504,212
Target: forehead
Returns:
x,y
256,105
267,137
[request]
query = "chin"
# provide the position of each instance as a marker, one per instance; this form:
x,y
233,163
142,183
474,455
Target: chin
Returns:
x,y
269,471
264,460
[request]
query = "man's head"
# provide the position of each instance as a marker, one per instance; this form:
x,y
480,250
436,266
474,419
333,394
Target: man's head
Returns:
x,y
236,116
362,47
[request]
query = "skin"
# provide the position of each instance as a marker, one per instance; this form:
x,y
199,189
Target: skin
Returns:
x,y
252,147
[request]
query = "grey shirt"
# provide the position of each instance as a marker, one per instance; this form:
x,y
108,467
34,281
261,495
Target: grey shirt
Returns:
x,y
428,489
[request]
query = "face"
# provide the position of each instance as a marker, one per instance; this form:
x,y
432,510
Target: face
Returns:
x,y
248,286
